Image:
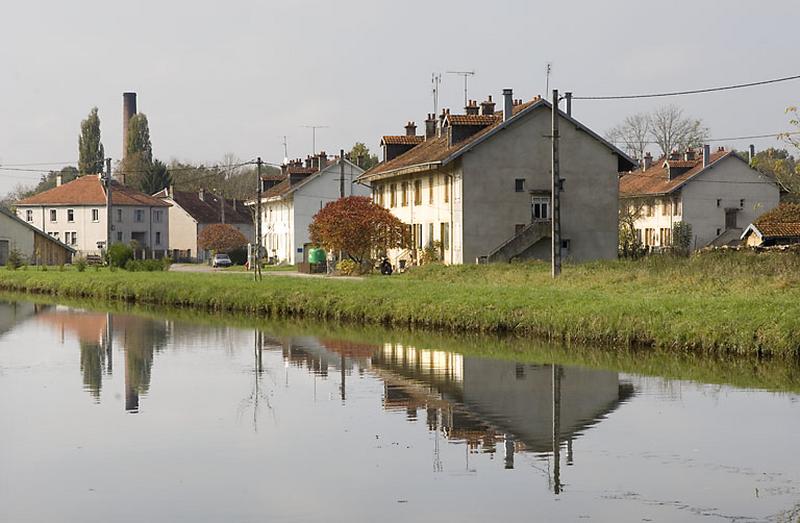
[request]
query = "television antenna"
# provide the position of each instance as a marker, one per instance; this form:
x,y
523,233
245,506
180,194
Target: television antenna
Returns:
x,y
314,135
466,75
285,151
548,70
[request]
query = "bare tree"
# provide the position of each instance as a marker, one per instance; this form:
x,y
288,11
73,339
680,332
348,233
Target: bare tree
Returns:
x,y
633,134
671,131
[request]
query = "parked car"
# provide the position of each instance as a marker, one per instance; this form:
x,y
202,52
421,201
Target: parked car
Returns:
x,y
221,260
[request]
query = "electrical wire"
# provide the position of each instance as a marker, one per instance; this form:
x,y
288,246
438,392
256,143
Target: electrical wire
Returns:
x,y
727,139
687,92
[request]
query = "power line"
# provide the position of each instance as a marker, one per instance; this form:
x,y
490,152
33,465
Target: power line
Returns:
x,y
727,139
691,91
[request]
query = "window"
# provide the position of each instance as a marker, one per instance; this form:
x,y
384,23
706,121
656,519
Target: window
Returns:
x,y
71,238
519,185
430,191
138,215
719,203
540,208
429,243
639,235
119,236
446,189
70,215
417,230
665,208
379,190
676,207
95,215
649,211
418,192
741,203
404,197
666,237
55,235
29,215
53,215
444,231
649,237
158,237
157,215
119,215
393,195
719,231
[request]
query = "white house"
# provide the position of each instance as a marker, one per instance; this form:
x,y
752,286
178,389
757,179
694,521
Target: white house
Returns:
x,y
193,211
75,213
479,184
717,193
292,198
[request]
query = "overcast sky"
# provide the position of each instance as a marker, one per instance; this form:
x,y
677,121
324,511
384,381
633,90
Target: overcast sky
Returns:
x,y
216,77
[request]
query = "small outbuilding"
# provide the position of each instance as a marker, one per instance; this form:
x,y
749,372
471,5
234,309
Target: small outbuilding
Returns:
x,y
36,247
780,226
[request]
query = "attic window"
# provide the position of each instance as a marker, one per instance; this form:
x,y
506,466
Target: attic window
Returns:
x,y
519,185
719,202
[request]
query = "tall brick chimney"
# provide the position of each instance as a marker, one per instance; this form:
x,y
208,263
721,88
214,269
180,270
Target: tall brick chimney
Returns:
x,y
128,110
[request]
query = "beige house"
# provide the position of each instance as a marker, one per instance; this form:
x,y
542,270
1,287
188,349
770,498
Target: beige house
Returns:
x,y
75,213
35,246
479,185
717,193
193,211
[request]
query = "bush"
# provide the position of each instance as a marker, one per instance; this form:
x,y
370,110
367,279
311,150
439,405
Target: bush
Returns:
x,y
430,254
80,264
238,256
145,266
15,260
347,267
119,255
682,238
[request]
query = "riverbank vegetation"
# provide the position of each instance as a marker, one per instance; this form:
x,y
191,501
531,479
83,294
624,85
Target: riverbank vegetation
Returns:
x,y
723,302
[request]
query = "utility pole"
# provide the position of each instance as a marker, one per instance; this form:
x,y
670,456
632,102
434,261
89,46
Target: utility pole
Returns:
x,y
341,173
466,75
555,187
257,258
109,226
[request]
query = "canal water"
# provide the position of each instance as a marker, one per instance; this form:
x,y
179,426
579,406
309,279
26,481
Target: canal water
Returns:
x,y
125,417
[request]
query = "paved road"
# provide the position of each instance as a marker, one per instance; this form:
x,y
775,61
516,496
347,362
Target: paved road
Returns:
x,y
196,267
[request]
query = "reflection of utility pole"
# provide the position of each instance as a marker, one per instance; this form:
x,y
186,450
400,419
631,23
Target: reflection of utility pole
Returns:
x,y
557,429
509,447
109,342
341,364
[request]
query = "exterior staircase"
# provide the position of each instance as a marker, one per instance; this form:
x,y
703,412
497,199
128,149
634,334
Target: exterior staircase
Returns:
x,y
517,246
729,237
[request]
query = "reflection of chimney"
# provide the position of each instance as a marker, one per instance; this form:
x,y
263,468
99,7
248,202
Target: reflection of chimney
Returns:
x,y
128,110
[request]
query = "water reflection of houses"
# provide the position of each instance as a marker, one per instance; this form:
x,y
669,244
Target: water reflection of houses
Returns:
x,y
97,333
14,313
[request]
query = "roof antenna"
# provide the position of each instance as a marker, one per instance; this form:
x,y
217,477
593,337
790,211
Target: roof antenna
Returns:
x,y
548,70
436,80
466,75
285,151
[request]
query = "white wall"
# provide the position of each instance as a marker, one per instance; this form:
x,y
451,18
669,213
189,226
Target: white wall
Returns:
x,y
17,235
89,231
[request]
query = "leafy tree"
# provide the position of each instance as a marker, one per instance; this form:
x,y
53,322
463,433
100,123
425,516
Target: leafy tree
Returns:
x,y
221,237
138,151
90,148
155,178
356,226
361,156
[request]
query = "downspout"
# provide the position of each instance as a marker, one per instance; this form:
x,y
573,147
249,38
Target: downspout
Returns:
x,y
452,224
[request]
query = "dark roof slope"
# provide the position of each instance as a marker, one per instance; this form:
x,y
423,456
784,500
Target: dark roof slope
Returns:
x,y
208,210
89,190
437,150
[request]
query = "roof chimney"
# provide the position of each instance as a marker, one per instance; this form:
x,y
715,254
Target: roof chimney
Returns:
x,y
752,153
202,195
323,159
508,104
688,155
487,107
171,191
472,108
59,179
647,161
411,129
128,110
706,155
430,126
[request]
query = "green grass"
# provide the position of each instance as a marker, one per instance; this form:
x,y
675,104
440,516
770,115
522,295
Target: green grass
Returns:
x,y
722,302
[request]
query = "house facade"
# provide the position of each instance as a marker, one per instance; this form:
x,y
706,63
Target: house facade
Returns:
x,y
75,213
292,198
36,247
478,185
717,193
193,211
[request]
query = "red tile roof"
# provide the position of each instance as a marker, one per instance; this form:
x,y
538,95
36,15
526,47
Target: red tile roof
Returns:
x,y
779,230
474,119
655,180
783,213
89,190
402,140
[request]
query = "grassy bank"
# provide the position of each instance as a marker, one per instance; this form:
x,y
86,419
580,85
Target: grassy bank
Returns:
x,y
725,302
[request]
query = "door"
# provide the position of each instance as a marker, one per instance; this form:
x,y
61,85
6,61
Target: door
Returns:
x,y
3,252
730,218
